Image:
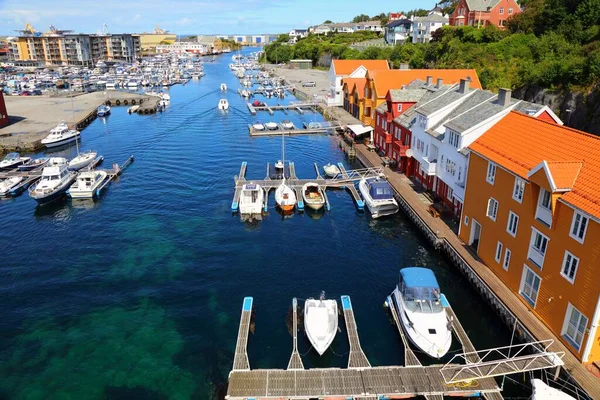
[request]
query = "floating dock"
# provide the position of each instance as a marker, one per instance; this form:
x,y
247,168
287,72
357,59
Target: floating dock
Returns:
x,y
299,107
295,131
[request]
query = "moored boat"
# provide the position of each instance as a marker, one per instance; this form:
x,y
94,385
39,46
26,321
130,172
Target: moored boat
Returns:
x,y
103,110
285,197
257,126
9,183
418,304
251,199
379,197
331,170
54,183
86,184
271,126
313,196
13,160
33,164
60,135
223,105
287,124
320,322
82,160
223,87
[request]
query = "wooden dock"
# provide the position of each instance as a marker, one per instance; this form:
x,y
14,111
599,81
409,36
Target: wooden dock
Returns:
x,y
295,360
410,359
299,107
241,348
357,358
296,131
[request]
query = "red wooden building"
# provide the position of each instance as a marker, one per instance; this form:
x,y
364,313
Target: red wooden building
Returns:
x,y
3,112
481,13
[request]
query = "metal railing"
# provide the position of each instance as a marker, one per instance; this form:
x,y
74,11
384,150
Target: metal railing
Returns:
x,y
356,175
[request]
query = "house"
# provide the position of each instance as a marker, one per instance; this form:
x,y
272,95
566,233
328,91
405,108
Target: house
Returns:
x,y
394,16
296,34
423,27
347,27
354,89
532,215
373,26
341,69
481,13
398,31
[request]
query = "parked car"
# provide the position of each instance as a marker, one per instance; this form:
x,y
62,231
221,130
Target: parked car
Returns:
x,y
25,93
309,84
36,92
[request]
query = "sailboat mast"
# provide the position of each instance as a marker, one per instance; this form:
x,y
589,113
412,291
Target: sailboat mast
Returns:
x,y
74,123
283,153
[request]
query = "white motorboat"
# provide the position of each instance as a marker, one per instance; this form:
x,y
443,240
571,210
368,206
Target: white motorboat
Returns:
x,y
223,87
418,303
165,96
313,196
379,197
331,170
320,322
251,199
60,135
287,124
103,110
133,109
34,163
223,105
86,184
82,160
271,126
13,160
54,183
541,391
257,126
245,93
7,184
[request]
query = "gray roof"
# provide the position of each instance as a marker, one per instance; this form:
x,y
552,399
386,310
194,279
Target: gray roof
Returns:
x,y
481,5
382,107
442,101
407,118
407,95
431,18
206,39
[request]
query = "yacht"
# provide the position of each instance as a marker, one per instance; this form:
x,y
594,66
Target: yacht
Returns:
x,y
13,160
60,135
542,391
86,184
287,124
34,163
418,304
313,196
379,197
82,160
331,170
223,105
320,322
103,110
8,184
251,199
54,183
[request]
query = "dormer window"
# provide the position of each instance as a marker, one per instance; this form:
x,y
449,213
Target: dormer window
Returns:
x,y
544,208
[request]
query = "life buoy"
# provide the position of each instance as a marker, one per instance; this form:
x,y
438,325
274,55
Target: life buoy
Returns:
x,y
125,102
133,102
118,102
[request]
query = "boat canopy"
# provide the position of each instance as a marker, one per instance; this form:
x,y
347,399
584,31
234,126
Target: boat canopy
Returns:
x,y
380,189
419,284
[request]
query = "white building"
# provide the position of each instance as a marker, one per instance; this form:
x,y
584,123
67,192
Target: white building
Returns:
x,y
398,31
423,27
184,47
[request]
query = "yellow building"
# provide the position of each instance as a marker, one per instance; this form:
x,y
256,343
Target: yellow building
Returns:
x,y
532,212
149,41
353,89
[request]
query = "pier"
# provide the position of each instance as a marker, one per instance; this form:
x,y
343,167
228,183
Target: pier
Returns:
x,y
295,131
299,107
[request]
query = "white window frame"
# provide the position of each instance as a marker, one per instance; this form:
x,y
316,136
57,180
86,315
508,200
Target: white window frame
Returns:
x,y
494,214
567,324
518,190
491,173
541,198
399,107
533,248
499,248
507,257
510,11
511,217
501,10
565,268
524,281
578,227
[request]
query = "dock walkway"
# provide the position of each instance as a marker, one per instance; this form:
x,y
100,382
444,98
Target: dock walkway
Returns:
x,y
356,358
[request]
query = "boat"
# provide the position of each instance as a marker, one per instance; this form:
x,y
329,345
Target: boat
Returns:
x,y
86,184
245,93
223,87
9,183
34,163
314,125
251,199
223,105
379,197
60,135
54,183
103,110
418,304
82,160
257,126
541,391
285,197
320,322
133,109
287,124
271,126
313,196
331,170
13,160
257,103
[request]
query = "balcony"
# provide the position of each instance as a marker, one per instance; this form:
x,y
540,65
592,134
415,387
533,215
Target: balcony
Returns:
x,y
389,138
402,150
536,257
429,165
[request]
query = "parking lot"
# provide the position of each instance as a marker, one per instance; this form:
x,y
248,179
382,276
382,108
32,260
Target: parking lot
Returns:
x,y
296,77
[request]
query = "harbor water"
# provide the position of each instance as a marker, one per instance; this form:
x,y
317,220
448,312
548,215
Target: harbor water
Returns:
x,y
138,294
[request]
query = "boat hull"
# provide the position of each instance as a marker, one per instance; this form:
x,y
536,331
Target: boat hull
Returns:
x,y
320,323
55,194
61,142
378,208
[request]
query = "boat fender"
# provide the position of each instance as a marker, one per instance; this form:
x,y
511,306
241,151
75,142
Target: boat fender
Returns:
x,y
133,102
125,102
141,101
118,102
108,103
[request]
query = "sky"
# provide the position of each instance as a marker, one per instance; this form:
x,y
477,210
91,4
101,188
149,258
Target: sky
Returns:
x,y
189,17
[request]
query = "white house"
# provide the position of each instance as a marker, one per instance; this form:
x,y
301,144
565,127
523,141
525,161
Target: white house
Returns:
x,y
398,31
341,69
298,33
423,27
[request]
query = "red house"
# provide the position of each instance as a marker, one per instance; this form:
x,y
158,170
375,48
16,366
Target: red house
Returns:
x,y
3,112
482,13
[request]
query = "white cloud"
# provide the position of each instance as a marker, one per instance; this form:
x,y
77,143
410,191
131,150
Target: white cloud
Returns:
x,y
185,21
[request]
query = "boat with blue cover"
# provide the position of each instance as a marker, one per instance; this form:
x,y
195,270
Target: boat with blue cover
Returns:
x,y
379,196
103,110
420,307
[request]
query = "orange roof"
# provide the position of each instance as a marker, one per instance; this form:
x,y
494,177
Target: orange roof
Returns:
x,y
359,83
571,158
396,78
346,67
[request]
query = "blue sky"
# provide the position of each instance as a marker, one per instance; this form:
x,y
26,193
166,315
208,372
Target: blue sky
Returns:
x,y
188,17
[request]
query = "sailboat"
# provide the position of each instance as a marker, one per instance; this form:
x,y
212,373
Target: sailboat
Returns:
x,y
285,197
83,159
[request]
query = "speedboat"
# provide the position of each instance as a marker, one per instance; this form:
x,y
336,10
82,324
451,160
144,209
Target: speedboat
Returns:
x,y
271,126
418,303
34,163
320,322
378,195
245,93
541,391
7,184
251,199
60,135
86,184
223,105
313,195
331,170
257,126
287,124
54,183
285,197
103,110
13,160
82,160
223,87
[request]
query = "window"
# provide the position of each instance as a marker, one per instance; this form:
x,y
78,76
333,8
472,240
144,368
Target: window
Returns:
x,y
519,189
450,193
506,263
569,268
501,22
530,285
537,247
574,326
454,139
492,208
378,120
399,107
491,173
467,220
579,227
510,11
501,10
499,247
450,166
513,224
544,199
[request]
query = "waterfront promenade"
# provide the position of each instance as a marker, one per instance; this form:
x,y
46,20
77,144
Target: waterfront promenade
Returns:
x,y
443,236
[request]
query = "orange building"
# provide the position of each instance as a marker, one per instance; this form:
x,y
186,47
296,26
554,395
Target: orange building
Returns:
x,y
532,212
354,89
379,82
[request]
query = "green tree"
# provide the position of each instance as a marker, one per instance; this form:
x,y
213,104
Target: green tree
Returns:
x,y
361,18
328,21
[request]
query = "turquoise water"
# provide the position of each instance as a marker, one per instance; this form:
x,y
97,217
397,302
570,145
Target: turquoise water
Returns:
x,y
138,295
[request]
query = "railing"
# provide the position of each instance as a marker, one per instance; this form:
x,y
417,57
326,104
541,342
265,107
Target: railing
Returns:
x,y
429,165
356,175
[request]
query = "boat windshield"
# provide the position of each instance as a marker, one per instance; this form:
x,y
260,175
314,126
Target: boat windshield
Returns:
x,y
422,299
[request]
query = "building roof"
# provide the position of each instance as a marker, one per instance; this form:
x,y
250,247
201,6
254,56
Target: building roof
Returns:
x,y
481,5
359,83
206,39
451,96
397,22
346,67
407,95
408,117
521,143
434,17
